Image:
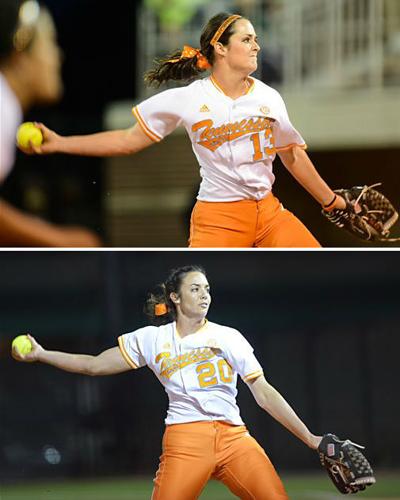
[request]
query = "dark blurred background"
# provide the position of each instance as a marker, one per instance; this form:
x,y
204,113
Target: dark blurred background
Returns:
x,y
324,326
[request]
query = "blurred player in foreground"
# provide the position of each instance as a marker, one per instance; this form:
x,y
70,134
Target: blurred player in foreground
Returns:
x,y
197,362
30,73
236,124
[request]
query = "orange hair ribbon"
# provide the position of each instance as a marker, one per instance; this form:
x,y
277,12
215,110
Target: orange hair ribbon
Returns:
x,y
160,309
189,53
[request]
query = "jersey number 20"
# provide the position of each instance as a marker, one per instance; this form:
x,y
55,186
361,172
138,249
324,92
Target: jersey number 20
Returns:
x,y
207,373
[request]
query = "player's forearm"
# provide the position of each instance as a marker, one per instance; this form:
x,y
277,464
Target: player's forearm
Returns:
x,y
272,402
75,363
281,411
110,143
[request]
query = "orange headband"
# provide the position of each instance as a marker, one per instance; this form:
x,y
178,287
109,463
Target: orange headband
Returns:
x,y
160,309
188,53
223,27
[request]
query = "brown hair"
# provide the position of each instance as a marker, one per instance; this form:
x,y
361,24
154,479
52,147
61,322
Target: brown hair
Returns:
x,y
186,68
161,295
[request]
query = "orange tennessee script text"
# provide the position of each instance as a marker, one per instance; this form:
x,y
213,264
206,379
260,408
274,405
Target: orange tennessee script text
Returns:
x,y
212,138
169,365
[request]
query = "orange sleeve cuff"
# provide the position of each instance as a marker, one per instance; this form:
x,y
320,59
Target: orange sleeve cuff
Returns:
x,y
253,375
290,146
152,135
125,353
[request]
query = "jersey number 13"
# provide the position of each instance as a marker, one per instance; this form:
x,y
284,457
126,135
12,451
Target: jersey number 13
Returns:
x,y
268,149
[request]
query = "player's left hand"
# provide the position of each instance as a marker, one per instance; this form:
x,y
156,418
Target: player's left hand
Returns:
x,y
345,464
341,203
368,214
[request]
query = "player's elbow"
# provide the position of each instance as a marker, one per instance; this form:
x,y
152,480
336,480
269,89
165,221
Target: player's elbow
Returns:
x,y
93,367
265,396
129,145
293,158
262,401
136,140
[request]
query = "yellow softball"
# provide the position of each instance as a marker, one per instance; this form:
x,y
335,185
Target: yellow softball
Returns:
x,y
28,133
22,344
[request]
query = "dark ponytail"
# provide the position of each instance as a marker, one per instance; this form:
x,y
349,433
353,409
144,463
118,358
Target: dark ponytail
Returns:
x,y
184,69
159,307
187,68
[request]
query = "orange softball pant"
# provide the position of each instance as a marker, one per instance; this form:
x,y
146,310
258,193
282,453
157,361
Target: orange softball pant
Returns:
x,y
246,224
195,452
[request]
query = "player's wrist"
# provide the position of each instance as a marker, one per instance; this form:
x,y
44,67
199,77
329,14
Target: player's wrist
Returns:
x,y
57,144
335,202
40,355
314,441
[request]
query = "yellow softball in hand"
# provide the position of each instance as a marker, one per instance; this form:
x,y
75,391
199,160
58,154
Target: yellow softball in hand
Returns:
x,y
28,133
22,344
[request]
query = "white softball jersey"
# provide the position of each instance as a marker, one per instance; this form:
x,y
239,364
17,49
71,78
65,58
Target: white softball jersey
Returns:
x,y
10,119
235,140
199,372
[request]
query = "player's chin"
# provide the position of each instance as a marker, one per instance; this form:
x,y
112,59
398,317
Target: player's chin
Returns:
x,y
253,66
203,311
52,92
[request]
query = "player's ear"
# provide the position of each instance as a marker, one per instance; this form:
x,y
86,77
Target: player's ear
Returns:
x,y
174,297
220,49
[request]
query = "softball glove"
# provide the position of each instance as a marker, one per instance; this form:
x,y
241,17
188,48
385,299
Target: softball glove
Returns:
x,y
347,467
369,215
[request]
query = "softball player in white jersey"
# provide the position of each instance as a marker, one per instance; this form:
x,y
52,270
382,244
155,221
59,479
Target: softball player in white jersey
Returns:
x,y
197,362
237,125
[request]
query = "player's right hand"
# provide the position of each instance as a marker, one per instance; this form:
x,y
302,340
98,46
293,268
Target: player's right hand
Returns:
x,y
51,142
31,356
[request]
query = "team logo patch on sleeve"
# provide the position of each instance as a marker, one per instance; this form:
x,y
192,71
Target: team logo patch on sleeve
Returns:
x,y
265,110
212,343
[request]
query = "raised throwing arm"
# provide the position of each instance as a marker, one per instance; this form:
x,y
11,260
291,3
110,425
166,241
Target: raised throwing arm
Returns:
x,y
272,402
111,143
108,362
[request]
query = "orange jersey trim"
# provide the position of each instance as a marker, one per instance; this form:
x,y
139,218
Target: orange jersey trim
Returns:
x,y
290,146
218,87
253,375
203,327
125,353
152,135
